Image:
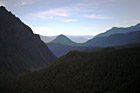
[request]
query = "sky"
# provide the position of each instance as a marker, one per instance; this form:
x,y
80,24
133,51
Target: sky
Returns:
x,y
74,17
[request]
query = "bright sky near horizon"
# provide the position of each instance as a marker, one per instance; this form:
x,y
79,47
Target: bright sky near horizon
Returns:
x,y
74,17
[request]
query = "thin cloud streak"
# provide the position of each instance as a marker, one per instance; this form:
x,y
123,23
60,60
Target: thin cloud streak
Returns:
x,y
50,13
60,14
68,20
96,16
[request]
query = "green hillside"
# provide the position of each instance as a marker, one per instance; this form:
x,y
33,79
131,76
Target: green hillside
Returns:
x,y
83,72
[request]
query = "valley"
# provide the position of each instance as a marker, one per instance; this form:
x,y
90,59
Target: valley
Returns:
x,y
108,62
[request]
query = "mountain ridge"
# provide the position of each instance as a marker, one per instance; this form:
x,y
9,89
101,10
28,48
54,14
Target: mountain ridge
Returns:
x,y
115,39
21,49
115,30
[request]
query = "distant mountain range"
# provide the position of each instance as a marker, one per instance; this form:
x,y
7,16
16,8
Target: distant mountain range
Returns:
x,y
84,36
61,45
20,50
115,39
119,30
77,39
116,36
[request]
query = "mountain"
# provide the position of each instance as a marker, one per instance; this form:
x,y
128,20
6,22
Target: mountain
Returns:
x,y
116,71
77,39
116,30
47,39
20,50
115,39
60,49
62,39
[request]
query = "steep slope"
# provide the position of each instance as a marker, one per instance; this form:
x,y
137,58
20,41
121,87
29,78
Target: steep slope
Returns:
x,y
60,49
82,72
115,39
116,30
62,39
20,49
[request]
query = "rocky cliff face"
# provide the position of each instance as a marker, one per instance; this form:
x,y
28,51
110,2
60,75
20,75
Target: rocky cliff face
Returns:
x,y
20,49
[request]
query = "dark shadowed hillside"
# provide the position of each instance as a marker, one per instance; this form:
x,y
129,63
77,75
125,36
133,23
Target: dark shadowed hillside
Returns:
x,y
20,50
114,71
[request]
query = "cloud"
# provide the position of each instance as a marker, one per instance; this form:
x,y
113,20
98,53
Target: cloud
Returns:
x,y
50,13
68,20
96,16
60,14
2,4
65,13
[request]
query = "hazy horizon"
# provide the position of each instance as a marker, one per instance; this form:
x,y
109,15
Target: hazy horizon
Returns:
x,y
74,17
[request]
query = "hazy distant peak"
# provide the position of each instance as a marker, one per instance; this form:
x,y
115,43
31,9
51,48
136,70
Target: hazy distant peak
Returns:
x,y
62,39
62,35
